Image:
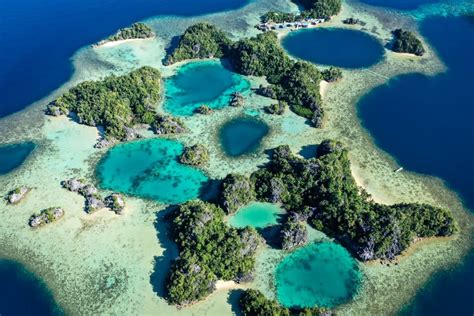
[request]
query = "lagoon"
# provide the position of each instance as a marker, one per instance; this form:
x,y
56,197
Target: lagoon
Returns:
x,y
242,135
334,47
321,274
13,155
150,169
256,215
201,83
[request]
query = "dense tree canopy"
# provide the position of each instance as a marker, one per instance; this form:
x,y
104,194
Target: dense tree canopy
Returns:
x,y
202,40
323,190
320,8
407,42
209,250
117,102
136,30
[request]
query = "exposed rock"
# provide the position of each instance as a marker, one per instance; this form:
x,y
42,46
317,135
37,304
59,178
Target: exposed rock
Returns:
x,y
276,108
73,184
165,125
237,191
88,190
46,216
353,21
131,134
245,277
294,233
237,99
104,143
115,202
250,241
17,195
268,92
94,203
204,109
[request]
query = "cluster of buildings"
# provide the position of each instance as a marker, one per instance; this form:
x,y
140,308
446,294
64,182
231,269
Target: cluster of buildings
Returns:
x,y
271,26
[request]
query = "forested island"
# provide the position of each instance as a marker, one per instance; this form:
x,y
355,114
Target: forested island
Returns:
x,y
320,191
407,42
312,9
296,83
117,103
135,31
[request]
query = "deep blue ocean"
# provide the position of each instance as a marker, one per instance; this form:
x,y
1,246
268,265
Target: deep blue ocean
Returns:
x,y
38,38
426,124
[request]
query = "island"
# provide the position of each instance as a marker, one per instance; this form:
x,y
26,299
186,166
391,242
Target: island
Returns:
x,y
294,82
407,42
46,216
18,194
135,31
196,155
117,103
209,250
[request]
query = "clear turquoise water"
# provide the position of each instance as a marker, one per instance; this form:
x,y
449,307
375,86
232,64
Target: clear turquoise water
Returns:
x,y
334,47
242,135
321,274
150,169
21,293
12,156
256,215
199,83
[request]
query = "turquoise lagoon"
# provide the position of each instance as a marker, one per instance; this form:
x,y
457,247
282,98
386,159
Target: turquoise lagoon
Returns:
x,y
334,47
13,155
256,215
199,83
150,169
321,274
242,135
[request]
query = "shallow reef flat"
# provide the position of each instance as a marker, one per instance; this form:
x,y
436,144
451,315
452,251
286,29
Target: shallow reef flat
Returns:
x,y
104,263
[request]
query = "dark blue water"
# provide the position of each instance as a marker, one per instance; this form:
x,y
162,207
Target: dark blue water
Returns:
x,y
12,156
426,123
242,136
21,293
399,4
39,37
335,47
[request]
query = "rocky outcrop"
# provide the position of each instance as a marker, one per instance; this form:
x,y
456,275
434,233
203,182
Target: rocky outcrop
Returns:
x,y
17,195
204,109
165,125
268,92
237,99
294,233
93,200
93,203
237,191
196,155
73,184
276,108
46,216
115,202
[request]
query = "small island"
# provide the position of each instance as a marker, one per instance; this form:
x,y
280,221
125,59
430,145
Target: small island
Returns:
x,y
407,42
278,108
197,156
135,31
46,216
18,194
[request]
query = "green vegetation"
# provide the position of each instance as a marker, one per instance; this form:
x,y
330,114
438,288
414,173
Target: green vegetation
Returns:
x,y
202,40
237,191
117,102
136,30
196,155
332,74
253,302
167,125
278,17
209,250
322,189
276,108
204,109
407,42
46,216
293,232
319,8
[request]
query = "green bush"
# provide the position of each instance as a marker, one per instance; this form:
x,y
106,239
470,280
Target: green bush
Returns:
x,y
407,42
136,30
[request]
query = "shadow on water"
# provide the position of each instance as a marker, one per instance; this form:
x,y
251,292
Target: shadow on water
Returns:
x,y
163,263
233,300
271,235
171,47
210,191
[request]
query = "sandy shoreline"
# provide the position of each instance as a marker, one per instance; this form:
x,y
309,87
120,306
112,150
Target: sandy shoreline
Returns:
x,y
117,43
